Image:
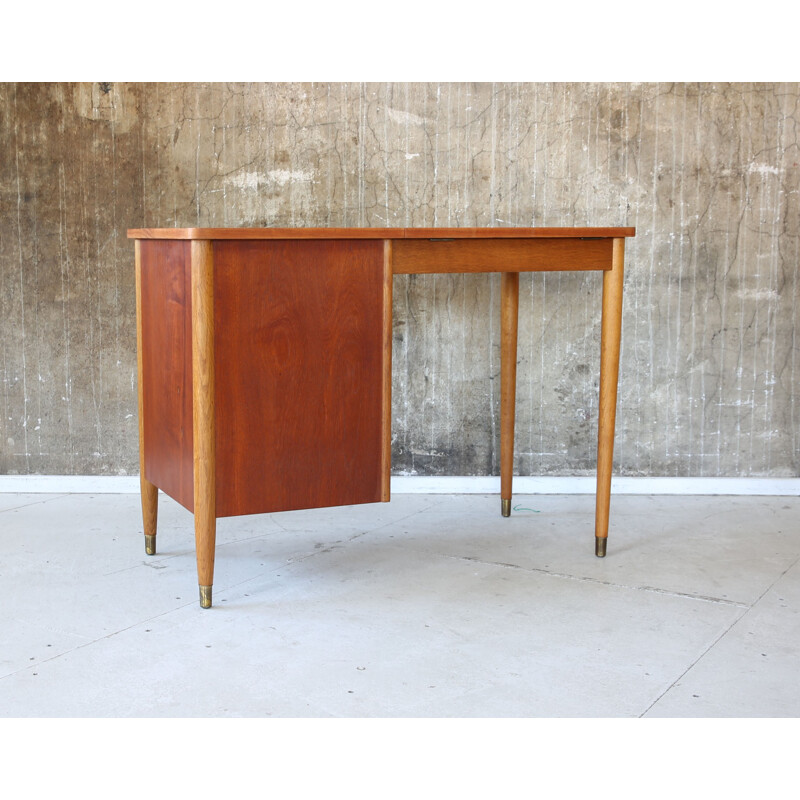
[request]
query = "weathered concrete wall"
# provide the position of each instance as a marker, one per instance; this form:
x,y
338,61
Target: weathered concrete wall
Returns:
x,y
710,374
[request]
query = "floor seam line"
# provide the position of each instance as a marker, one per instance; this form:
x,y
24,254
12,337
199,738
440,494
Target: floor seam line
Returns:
x,y
697,660
720,637
35,503
94,641
612,584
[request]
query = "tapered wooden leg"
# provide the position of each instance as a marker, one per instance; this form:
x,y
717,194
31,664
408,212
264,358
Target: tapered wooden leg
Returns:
x,y
205,519
149,514
609,373
509,314
148,490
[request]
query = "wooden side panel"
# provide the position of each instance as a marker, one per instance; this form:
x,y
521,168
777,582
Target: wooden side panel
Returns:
x,y
300,374
386,436
499,255
167,368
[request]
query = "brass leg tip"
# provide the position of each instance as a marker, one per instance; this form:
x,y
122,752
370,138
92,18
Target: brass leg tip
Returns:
x,y
505,506
205,597
600,546
150,544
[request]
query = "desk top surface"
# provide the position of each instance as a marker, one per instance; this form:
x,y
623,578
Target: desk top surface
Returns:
x,y
380,233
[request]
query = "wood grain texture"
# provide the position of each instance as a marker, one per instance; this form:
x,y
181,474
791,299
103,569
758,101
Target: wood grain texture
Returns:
x,y
300,341
509,315
149,491
386,411
166,371
265,233
416,256
376,233
516,233
203,416
610,335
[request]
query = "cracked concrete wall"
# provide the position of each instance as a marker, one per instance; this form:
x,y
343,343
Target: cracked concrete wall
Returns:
x,y
708,174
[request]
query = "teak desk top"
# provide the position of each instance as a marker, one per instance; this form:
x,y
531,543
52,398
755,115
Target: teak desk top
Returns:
x,y
264,358
379,233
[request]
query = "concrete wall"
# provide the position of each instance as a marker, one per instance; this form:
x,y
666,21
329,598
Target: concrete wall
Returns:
x,y
708,174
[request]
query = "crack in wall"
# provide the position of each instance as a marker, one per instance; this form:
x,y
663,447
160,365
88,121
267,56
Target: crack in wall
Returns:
x,y
708,173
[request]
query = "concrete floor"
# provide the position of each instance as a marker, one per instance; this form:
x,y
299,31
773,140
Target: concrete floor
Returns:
x,y
428,606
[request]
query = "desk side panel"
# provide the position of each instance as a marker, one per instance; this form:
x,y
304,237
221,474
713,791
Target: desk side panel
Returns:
x,y
300,360
415,256
167,368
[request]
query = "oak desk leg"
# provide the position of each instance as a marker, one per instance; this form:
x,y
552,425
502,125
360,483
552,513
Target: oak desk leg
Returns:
x,y
509,314
148,490
205,520
609,373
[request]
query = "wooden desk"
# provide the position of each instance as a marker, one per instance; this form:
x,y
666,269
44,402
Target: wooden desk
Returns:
x,y
264,359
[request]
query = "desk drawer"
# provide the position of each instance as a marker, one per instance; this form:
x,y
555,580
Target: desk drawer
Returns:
x,y
499,255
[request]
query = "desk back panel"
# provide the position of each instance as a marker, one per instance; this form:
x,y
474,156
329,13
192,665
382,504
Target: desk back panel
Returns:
x,y
301,363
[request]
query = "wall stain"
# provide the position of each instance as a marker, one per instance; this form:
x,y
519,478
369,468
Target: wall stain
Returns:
x,y
708,174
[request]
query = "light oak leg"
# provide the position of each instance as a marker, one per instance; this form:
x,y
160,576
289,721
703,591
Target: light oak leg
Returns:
x,y
509,314
609,374
205,518
148,490
149,514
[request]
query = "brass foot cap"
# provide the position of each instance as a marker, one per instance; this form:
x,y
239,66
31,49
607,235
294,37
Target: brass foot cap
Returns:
x,y
505,506
600,546
205,597
150,544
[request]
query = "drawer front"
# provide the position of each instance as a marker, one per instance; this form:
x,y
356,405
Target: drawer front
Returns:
x,y
414,256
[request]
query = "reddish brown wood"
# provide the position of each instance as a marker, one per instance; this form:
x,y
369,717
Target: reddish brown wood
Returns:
x,y
386,435
515,233
300,365
292,389
499,255
167,368
294,234
376,233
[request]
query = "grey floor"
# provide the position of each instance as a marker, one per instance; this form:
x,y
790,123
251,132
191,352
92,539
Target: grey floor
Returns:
x,y
428,606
